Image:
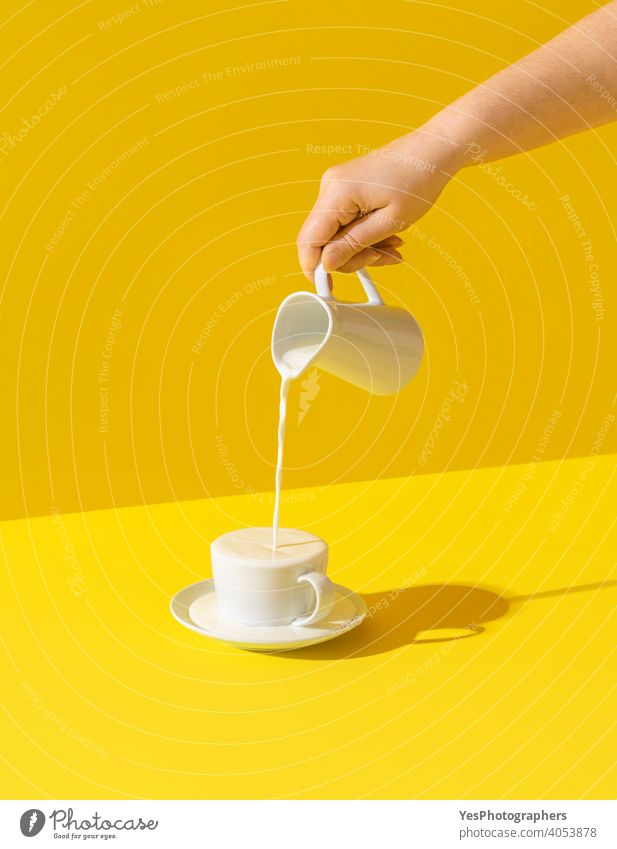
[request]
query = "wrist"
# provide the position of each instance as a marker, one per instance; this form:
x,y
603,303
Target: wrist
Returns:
x,y
457,142
437,143
462,133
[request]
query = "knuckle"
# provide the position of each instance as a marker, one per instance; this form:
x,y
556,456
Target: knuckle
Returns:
x,y
397,219
352,242
329,175
307,237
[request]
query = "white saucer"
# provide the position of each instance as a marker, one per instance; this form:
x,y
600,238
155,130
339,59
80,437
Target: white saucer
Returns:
x,y
196,608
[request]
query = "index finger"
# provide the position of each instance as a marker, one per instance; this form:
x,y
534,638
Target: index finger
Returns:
x,y
320,226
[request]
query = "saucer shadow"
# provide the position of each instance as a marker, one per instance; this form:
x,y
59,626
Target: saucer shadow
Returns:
x,y
425,614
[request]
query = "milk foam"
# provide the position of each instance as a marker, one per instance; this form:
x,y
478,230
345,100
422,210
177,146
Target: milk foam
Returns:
x,y
256,544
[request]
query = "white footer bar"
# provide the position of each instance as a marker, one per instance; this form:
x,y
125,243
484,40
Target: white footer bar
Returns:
x,y
304,824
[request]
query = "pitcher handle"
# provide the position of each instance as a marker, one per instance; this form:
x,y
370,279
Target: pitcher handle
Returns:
x,y
323,290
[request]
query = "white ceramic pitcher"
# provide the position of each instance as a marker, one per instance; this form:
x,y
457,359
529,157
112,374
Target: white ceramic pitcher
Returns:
x,y
371,345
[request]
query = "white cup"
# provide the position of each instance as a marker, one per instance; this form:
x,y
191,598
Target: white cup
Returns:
x,y
372,345
257,585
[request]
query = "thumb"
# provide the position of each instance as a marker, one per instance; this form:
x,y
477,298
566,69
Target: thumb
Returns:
x,y
360,234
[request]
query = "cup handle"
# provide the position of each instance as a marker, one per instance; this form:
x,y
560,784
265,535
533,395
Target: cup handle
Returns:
x,y
323,290
325,596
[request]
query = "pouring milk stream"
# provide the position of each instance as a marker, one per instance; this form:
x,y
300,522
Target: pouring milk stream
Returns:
x,y
374,346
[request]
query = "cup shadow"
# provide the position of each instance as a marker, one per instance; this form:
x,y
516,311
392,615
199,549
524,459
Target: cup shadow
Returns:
x,y
428,614
404,616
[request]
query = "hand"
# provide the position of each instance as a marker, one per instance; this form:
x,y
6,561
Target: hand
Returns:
x,y
544,96
363,203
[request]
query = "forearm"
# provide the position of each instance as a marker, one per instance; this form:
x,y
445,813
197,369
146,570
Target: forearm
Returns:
x,y
567,85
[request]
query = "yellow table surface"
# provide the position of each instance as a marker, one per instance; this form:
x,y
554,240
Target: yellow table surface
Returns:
x,y
105,696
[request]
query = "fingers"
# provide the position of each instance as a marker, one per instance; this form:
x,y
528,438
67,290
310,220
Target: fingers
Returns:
x,y
356,237
393,241
358,262
321,225
384,253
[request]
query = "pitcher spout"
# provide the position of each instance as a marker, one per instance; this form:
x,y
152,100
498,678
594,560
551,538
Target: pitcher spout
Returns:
x,y
302,327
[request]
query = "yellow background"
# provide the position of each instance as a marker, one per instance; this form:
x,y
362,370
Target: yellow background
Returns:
x,y
212,202
105,695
